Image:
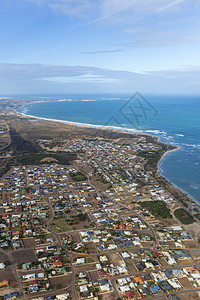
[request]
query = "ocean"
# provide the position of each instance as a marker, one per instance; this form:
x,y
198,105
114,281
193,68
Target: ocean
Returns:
x,y
174,119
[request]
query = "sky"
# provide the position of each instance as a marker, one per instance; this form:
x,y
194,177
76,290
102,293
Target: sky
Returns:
x,y
71,46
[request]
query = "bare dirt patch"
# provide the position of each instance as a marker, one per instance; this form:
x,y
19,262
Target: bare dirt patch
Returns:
x,y
163,262
94,275
171,244
7,275
85,268
188,296
3,257
186,283
194,229
91,248
191,244
24,256
59,282
131,268
29,243
48,159
185,262
195,253
110,296
76,237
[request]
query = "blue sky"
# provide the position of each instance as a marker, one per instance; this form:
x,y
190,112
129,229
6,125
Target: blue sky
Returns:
x,y
43,42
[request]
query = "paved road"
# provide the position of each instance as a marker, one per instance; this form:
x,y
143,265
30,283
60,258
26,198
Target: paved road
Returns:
x,y
21,294
149,272
132,197
70,254
73,280
9,254
182,206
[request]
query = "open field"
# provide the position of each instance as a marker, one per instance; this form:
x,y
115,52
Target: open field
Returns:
x,y
3,257
64,224
60,282
24,256
7,275
59,225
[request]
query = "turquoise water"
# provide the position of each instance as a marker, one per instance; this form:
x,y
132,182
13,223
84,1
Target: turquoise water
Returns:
x,y
175,119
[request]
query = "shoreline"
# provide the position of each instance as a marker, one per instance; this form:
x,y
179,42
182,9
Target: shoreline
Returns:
x,y
183,191
121,130
163,156
159,170
87,125
104,127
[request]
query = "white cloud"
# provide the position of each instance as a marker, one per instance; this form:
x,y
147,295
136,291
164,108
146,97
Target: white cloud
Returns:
x,y
85,78
144,22
36,78
170,5
72,8
106,9
187,73
104,51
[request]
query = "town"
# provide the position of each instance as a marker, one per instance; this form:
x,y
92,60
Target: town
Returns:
x,y
99,227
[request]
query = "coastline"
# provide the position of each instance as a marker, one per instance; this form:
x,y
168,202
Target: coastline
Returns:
x,y
158,173
87,125
159,170
163,156
102,127
119,130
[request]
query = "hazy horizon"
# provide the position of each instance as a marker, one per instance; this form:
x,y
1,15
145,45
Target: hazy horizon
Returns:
x,y
64,46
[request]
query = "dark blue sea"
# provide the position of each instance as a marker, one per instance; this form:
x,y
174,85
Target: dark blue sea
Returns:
x,y
175,119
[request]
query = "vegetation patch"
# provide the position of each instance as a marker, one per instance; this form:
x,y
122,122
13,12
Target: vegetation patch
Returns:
x,y
183,216
77,176
37,158
157,208
153,157
28,189
19,144
4,169
59,225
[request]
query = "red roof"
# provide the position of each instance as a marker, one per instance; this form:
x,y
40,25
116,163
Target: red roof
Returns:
x,y
101,272
122,226
129,294
33,282
59,257
57,263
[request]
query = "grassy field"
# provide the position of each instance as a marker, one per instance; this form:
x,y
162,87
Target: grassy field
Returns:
x,y
183,216
59,225
157,208
78,222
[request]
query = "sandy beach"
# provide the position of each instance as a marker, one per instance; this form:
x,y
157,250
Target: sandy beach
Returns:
x,y
164,155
